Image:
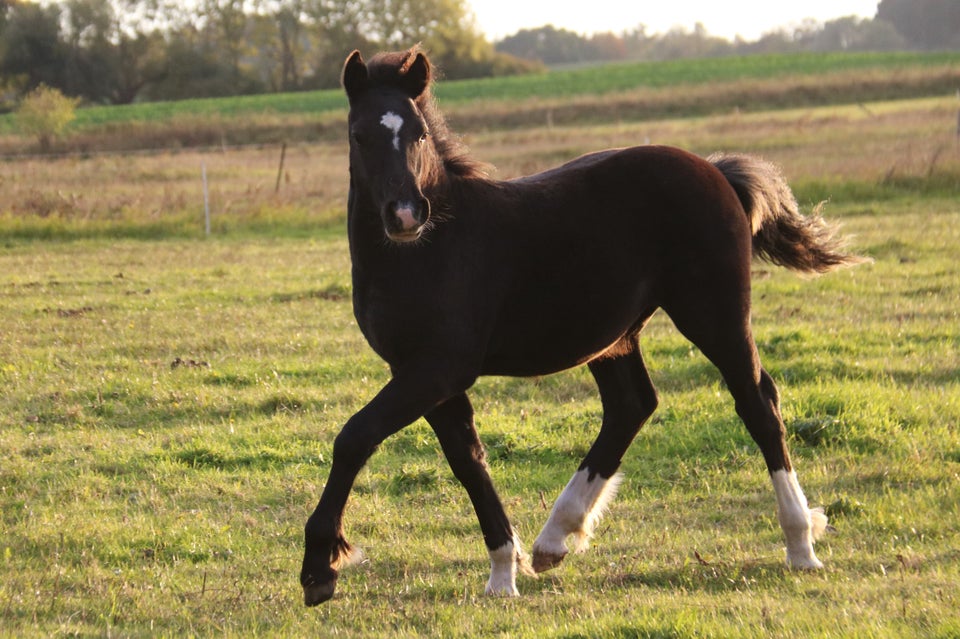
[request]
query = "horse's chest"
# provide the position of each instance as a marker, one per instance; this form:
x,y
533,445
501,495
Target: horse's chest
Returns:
x,y
391,320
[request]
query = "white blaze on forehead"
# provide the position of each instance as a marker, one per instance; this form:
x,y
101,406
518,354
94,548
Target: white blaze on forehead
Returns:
x,y
393,122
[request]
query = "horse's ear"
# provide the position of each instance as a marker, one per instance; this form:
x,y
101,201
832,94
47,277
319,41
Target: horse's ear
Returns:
x,y
417,74
354,77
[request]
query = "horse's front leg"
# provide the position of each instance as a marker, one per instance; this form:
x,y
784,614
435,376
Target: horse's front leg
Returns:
x,y
403,400
628,399
452,421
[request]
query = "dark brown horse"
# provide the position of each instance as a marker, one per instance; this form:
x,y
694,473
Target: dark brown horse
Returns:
x,y
456,275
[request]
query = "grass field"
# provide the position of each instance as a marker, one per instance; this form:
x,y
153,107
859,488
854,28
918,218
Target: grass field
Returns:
x,y
626,92
170,403
557,84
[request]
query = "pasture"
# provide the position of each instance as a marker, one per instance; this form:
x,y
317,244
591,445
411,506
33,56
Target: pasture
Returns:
x,y
571,97
170,403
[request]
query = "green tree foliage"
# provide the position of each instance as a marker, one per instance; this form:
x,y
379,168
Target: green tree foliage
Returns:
x,y
548,45
191,69
925,24
45,113
119,51
33,52
92,63
558,46
445,28
82,47
851,34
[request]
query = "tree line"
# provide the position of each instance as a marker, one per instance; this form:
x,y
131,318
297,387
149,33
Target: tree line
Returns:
x,y
119,51
897,25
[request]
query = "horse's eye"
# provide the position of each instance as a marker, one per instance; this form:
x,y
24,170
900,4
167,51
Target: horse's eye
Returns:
x,y
423,137
358,138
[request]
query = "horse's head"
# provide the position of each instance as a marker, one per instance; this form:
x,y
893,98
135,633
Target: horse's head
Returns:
x,y
389,152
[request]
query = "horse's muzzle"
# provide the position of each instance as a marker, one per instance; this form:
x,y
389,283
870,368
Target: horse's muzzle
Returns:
x,y
404,221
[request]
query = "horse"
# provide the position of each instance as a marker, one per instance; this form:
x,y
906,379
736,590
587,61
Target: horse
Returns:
x,y
457,275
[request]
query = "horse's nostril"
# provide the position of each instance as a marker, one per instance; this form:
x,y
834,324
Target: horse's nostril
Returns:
x,y
407,218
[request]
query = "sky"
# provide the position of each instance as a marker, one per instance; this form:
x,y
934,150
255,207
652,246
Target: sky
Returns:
x,y
726,18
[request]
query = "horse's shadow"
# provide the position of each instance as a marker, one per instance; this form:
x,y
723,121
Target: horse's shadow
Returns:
x,y
694,575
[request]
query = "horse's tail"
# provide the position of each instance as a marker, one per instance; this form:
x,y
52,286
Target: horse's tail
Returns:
x,y
781,233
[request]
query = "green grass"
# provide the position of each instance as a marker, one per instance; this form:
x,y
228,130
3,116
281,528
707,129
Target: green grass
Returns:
x,y
302,115
169,411
170,404
614,78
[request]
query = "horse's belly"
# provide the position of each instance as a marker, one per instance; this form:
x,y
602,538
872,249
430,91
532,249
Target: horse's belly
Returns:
x,y
558,338
536,363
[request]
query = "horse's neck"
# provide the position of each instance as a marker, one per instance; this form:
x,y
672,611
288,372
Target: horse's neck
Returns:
x,y
364,228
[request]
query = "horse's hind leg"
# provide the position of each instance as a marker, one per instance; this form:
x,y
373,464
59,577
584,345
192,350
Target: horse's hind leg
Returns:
x,y
720,327
628,399
452,421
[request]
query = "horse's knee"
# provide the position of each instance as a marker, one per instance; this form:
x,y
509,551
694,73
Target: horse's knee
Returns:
x,y
352,444
646,405
469,462
769,389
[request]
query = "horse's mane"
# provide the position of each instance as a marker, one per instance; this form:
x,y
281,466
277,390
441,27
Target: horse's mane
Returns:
x,y
387,69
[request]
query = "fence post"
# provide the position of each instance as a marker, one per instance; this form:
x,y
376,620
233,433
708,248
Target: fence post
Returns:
x,y
283,154
206,200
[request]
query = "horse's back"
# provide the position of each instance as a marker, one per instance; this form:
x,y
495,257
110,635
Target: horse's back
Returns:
x,y
598,242
639,161
636,188
641,199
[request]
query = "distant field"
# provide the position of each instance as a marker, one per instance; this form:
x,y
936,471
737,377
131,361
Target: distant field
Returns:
x,y
170,401
631,91
621,77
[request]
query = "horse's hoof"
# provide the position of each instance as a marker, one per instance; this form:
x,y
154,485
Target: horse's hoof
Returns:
x,y
505,591
315,594
544,561
316,590
804,562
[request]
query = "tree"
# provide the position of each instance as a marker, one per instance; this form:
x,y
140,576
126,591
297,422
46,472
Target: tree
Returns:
x,y
337,27
227,24
445,28
609,46
30,44
81,47
121,50
92,64
290,29
192,68
139,57
679,42
549,45
454,41
853,34
45,113
925,24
